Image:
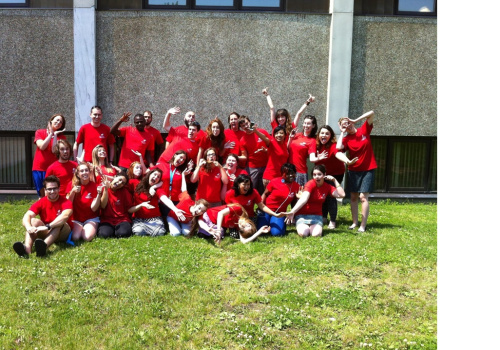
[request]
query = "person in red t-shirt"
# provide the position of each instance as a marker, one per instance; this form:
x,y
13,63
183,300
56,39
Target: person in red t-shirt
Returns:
x,y
233,134
210,177
147,219
361,174
181,130
308,207
46,141
215,137
54,211
135,140
63,168
217,219
279,193
278,153
158,138
257,152
177,142
192,209
326,149
93,134
86,198
232,171
115,203
302,146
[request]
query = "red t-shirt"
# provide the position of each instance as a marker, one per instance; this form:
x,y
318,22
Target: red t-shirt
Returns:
x,y
133,139
158,139
206,143
43,159
209,185
232,136
300,149
48,210
91,136
144,213
332,164
172,180
116,210
230,220
278,155
64,171
83,201
132,185
316,199
185,203
109,174
256,149
248,202
281,194
360,145
178,143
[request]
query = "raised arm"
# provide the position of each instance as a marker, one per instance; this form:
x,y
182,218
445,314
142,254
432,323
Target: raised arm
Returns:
x,y
196,173
115,129
270,103
170,112
310,99
368,115
43,144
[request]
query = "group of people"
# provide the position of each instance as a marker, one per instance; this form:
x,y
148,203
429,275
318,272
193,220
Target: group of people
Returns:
x,y
238,181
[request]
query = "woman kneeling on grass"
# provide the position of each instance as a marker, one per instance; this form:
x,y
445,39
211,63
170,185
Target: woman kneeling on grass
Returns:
x,y
192,210
309,206
227,217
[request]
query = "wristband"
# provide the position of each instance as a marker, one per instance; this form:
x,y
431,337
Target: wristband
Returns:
x,y
307,103
48,227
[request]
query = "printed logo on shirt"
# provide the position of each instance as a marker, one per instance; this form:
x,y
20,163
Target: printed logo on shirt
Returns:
x,y
102,136
88,196
323,196
249,202
303,144
144,141
118,202
363,137
291,195
59,212
217,176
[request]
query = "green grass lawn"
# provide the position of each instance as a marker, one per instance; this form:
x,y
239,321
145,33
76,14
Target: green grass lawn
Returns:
x,y
376,290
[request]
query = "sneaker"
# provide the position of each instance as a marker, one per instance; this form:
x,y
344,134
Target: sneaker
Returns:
x,y
20,249
40,247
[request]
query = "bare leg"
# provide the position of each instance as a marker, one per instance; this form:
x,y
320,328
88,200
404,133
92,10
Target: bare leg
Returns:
x,y
365,211
303,230
30,238
354,209
89,231
77,232
316,230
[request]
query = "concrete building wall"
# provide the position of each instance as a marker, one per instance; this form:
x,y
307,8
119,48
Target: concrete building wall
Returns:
x,y
394,72
36,78
210,62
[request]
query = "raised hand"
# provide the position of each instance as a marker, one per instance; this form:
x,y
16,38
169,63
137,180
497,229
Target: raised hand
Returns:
x,y
125,117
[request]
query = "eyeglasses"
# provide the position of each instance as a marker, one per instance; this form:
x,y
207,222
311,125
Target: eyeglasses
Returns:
x,y
52,189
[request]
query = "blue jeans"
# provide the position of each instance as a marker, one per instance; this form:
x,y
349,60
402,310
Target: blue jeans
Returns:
x,y
278,226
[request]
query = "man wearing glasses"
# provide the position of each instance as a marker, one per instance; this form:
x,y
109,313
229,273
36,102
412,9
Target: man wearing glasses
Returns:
x,y
52,226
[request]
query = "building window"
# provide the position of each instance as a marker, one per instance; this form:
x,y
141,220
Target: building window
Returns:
x,y
14,3
266,5
416,7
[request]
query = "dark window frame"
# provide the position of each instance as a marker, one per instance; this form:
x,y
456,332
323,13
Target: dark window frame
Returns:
x,y
414,13
26,4
386,171
191,5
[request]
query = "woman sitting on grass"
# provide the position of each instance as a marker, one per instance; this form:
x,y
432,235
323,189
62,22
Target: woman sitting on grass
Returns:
x,y
216,220
147,216
86,198
309,206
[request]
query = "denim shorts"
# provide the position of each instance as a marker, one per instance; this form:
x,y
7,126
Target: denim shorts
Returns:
x,y
360,181
96,220
309,220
